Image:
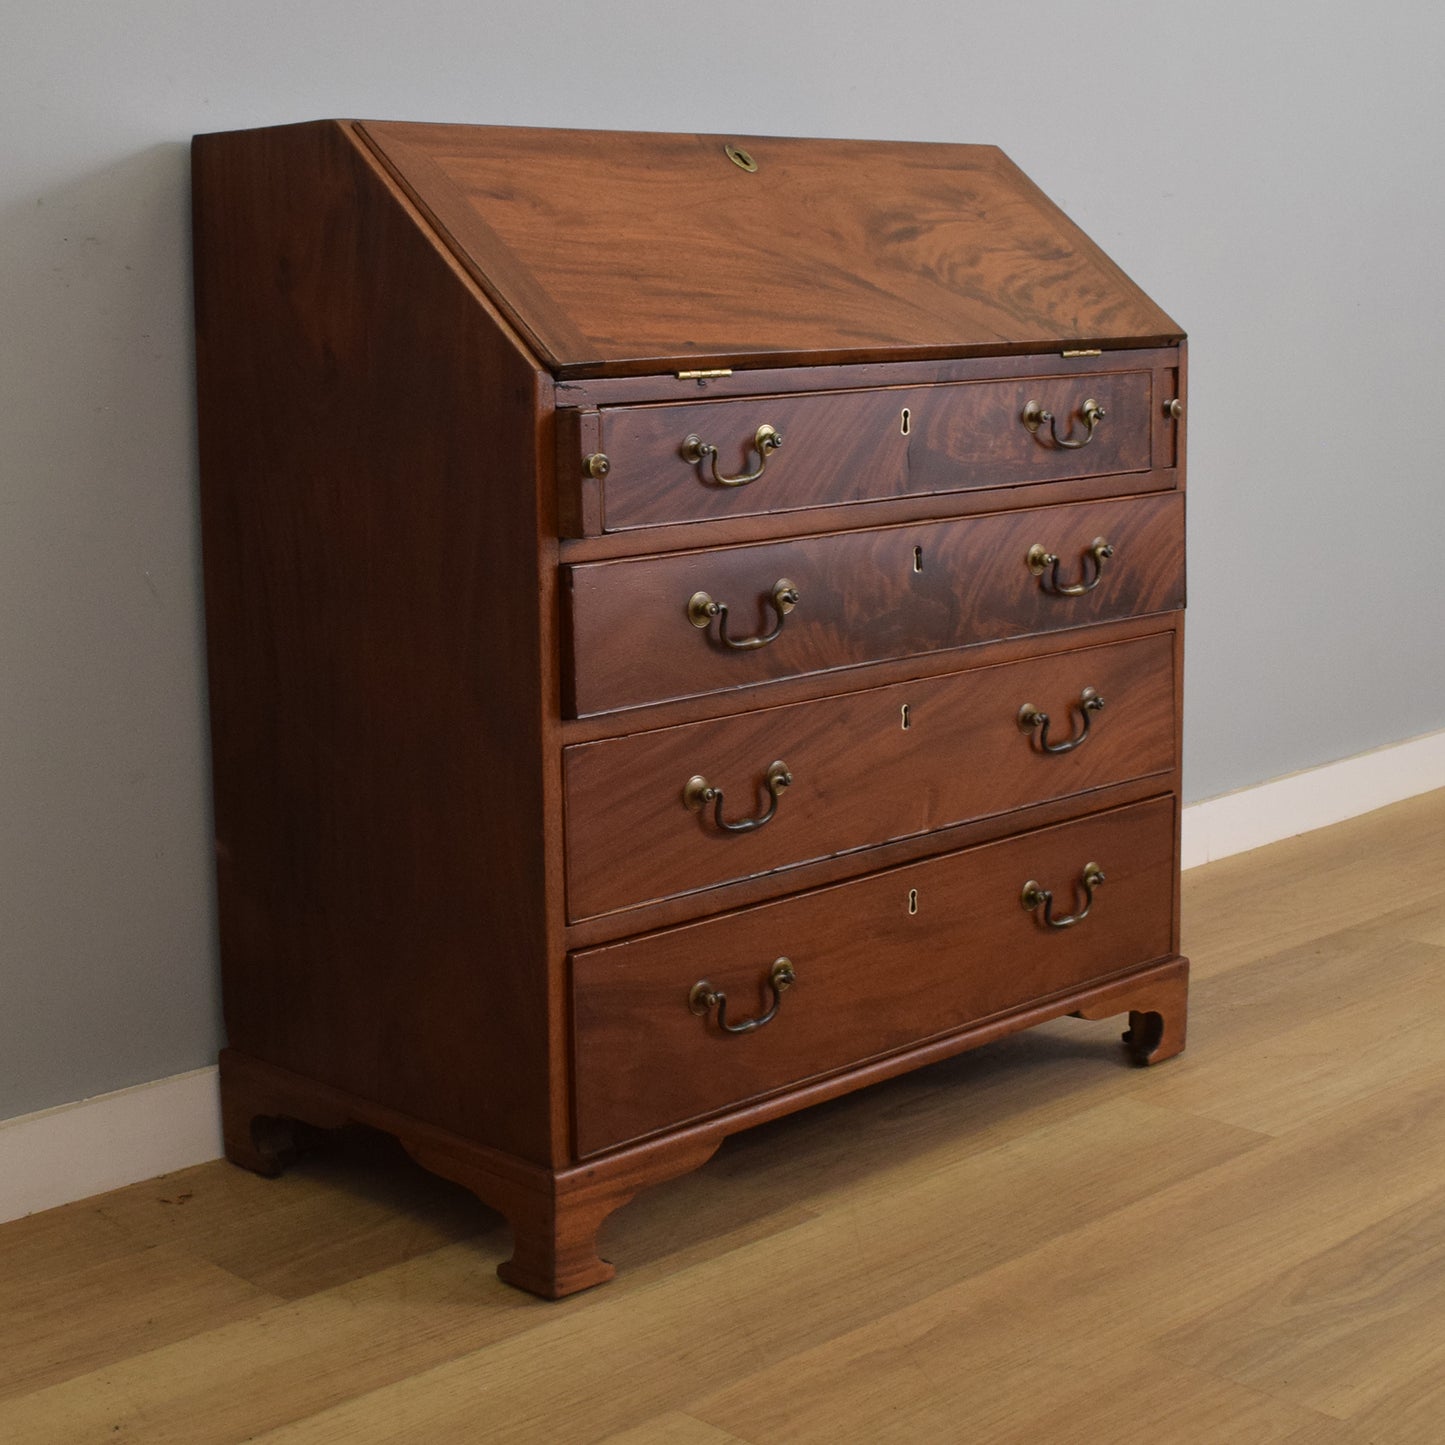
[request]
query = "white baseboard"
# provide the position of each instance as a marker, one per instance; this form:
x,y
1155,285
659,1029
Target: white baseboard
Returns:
x,y
77,1150
1302,802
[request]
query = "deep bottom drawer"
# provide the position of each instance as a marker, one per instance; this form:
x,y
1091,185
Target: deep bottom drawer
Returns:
x,y
879,964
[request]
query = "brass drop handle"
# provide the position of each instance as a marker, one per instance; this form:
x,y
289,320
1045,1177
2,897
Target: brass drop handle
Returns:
x,y
703,997
1040,560
766,440
697,793
1040,902
1034,416
701,609
1036,723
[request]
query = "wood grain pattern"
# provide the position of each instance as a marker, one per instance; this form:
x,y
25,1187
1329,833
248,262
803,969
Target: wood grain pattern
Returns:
x,y
555,1214
1338,1332
342,677
866,767
841,447
881,963
844,516
130,1303
864,596
600,391
1024,1243
627,252
378,311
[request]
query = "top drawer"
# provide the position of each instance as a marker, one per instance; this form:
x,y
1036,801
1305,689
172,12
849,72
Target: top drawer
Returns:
x,y
698,461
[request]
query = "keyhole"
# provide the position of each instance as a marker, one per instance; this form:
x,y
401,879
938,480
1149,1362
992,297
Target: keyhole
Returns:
x,y
906,422
913,900
918,559
906,723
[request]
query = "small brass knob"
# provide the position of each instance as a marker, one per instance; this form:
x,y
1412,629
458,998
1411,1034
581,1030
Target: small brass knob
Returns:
x,y
597,465
1174,409
1040,559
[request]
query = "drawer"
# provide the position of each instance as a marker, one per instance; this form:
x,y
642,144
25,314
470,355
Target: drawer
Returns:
x,y
881,963
850,446
864,768
640,634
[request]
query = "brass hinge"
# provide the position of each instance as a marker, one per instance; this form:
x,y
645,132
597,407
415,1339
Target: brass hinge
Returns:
x,y
702,375
1094,352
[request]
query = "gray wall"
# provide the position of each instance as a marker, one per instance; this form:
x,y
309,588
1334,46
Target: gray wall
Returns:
x,y
1271,173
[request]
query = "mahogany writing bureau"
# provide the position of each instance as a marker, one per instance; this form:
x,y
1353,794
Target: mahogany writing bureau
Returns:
x,y
695,628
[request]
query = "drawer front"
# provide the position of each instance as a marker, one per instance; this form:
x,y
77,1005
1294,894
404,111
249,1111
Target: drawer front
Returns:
x,y
855,446
864,768
882,963
860,597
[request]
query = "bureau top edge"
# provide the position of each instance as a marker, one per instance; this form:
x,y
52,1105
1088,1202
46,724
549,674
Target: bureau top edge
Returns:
x,y
687,385
619,254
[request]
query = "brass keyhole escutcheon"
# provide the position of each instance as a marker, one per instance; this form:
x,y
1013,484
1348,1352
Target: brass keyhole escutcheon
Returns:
x,y
740,158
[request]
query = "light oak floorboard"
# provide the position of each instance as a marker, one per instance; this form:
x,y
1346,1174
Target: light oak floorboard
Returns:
x,y
1258,903
1033,1242
674,1429
1266,1048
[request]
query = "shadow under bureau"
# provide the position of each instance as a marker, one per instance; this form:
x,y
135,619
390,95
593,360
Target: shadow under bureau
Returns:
x,y
695,627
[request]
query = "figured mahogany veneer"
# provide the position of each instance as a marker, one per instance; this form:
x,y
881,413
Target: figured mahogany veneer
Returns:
x,y
852,446
891,960
453,534
866,767
619,254
862,596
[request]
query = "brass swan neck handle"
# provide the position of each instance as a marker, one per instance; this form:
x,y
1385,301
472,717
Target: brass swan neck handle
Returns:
x,y
1034,416
766,440
701,609
1040,561
1035,722
697,793
703,997
1040,902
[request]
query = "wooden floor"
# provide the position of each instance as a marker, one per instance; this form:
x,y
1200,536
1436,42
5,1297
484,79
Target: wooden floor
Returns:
x,y
1034,1242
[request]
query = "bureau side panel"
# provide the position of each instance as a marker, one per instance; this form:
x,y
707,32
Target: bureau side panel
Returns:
x,y
369,448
